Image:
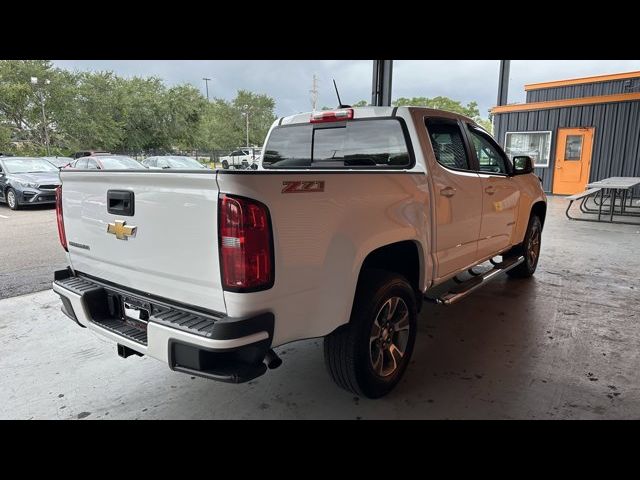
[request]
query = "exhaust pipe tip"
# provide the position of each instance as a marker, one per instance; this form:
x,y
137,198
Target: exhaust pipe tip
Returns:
x,y
272,360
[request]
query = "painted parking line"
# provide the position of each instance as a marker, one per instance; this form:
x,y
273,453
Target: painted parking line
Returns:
x,y
3,216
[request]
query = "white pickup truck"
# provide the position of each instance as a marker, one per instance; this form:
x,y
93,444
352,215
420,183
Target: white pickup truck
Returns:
x,y
352,219
243,158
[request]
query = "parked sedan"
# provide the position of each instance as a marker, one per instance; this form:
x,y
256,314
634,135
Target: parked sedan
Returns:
x,y
106,162
27,181
59,162
172,161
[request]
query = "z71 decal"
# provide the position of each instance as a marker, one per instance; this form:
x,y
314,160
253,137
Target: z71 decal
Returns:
x,y
303,186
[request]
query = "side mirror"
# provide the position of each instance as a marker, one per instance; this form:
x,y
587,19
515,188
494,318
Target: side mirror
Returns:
x,y
522,165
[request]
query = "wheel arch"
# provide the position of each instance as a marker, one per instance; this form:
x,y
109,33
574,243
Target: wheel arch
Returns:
x,y
539,208
405,257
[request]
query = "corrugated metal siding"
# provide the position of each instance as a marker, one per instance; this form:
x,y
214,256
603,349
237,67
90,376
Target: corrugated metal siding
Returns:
x,y
616,143
584,90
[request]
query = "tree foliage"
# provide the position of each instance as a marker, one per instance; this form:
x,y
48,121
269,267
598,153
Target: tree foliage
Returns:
x,y
441,103
104,111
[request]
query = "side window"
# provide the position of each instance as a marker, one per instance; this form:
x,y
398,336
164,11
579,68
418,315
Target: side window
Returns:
x,y
490,158
81,163
92,164
448,144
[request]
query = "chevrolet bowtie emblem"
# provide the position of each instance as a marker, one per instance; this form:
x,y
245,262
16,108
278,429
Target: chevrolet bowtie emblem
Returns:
x,y
120,230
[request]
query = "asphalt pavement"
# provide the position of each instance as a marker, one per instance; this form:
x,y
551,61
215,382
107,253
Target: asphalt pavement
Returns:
x,y
29,249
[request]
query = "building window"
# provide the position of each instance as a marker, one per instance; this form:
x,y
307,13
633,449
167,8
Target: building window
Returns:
x,y
573,149
536,145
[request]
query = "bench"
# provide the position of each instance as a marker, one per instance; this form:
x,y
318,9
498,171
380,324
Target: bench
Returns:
x,y
580,195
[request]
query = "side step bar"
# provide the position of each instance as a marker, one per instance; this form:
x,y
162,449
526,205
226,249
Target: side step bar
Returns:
x,y
465,288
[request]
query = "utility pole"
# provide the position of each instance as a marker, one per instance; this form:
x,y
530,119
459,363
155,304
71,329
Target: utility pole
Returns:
x,y
34,81
246,114
381,84
206,86
503,82
314,93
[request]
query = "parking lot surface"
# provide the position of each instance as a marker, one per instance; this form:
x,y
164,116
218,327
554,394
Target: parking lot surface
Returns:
x,y
564,344
29,249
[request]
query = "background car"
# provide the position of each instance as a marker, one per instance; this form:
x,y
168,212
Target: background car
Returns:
x,y
89,153
27,181
172,161
107,162
59,162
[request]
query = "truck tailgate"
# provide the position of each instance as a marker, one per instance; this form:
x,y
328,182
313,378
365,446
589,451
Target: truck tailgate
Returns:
x,y
173,252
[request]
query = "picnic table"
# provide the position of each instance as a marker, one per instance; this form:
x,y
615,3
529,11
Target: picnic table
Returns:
x,y
618,191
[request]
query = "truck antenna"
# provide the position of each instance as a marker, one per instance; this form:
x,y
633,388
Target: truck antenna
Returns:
x,y
340,105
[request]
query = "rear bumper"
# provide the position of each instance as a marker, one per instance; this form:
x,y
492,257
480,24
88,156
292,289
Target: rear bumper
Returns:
x,y
207,344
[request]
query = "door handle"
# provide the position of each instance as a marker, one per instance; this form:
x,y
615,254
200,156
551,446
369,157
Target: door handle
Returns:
x,y
490,190
448,192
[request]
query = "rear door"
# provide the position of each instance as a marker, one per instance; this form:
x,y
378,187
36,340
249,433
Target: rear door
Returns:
x,y
500,194
164,242
457,193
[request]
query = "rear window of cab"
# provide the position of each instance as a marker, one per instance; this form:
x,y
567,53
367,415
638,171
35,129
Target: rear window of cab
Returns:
x,y
378,143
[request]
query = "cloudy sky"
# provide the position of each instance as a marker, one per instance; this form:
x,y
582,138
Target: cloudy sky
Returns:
x,y
289,81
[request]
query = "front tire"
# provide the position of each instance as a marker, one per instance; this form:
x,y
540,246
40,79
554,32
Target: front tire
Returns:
x,y
12,199
530,249
369,355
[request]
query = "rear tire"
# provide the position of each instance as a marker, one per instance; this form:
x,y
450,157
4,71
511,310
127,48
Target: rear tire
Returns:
x,y
12,199
225,165
369,355
530,249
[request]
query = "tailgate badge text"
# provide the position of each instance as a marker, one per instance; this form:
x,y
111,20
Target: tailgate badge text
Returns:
x,y
303,187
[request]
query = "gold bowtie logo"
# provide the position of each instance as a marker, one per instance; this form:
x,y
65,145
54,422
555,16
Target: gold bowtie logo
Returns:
x,y
120,230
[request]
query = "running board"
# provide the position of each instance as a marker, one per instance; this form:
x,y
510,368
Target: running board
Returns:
x,y
465,288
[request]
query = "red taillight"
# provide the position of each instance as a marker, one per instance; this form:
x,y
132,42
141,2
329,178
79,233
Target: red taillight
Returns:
x,y
246,257
61,233
332,116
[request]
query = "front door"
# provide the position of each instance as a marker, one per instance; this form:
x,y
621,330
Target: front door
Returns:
x,y
500,194
573,160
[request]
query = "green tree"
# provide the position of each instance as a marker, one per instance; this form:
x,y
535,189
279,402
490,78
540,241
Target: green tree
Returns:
x,y
224,125
441,103
97,116
21,101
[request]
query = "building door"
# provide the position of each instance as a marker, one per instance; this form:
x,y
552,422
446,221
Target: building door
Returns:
x,y
573,160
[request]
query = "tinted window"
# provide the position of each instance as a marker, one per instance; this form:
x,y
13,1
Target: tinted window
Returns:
x,y
92,164
448,145
81,163
488,154
25,165
184,162
116,163
289,147
371,143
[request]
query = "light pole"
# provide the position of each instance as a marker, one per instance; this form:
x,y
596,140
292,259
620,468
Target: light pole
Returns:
x,y
246,114
206,85
34,81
